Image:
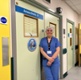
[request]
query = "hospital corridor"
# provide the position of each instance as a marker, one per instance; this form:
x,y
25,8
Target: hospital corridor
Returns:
x,y
74,74
40,39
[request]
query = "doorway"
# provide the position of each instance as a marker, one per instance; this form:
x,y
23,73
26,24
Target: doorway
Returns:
x,y
70,44
51,20
22,51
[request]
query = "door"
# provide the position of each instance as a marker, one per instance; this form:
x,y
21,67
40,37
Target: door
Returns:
x,y
79,43
70,45
5,70
53,21
29,25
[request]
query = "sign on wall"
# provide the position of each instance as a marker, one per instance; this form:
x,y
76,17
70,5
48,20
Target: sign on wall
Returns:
x,y
31,45
3,20
30,26
28,12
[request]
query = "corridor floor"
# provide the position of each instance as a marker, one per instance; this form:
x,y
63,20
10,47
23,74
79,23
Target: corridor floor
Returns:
x,y
73,74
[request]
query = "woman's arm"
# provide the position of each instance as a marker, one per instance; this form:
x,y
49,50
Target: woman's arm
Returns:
x,y
45,55
56,53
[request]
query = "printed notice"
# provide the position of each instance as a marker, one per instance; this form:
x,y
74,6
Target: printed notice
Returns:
x,y
30,26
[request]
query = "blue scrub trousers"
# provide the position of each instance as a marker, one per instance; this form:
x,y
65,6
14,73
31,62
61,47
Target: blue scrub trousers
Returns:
x,y
51,72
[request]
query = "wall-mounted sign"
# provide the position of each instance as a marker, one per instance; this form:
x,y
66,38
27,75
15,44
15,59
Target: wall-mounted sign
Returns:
x,y
31,45
3,20
30,26
28,12
70,35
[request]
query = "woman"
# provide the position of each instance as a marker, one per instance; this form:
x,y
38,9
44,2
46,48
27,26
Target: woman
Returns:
x,y
50,48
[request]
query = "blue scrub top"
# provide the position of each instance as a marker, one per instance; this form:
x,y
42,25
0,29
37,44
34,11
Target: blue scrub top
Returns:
x,y
53,45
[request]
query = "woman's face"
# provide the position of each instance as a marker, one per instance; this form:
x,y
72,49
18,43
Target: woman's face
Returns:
x,y
49,32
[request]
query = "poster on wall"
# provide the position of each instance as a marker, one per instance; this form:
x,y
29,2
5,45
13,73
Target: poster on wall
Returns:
x,y
30,26
32,45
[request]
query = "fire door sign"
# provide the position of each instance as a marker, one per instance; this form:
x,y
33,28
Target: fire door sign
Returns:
x,y
3,20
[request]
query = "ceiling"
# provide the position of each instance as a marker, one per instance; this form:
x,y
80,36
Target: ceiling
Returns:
x,y
75,5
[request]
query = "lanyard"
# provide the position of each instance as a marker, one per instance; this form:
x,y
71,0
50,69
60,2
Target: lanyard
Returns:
x,y
49,43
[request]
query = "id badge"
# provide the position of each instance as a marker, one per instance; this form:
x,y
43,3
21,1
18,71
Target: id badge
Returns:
x,y
49,52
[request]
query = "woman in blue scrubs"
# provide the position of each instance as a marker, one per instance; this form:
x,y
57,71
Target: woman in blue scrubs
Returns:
x,y
50,48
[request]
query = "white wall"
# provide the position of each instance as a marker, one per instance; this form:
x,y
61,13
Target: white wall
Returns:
x,y
67,13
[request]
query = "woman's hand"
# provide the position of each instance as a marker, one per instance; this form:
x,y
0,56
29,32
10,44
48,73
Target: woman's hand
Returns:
x,y
49,63
51,59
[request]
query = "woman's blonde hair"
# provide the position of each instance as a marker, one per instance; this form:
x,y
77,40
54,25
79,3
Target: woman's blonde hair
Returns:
x,y
49,27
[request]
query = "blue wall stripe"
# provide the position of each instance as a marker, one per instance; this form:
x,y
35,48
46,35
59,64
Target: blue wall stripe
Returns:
x,y
28,12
